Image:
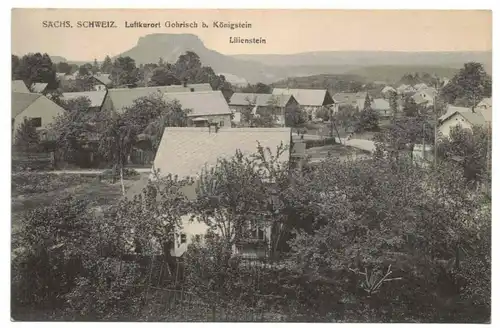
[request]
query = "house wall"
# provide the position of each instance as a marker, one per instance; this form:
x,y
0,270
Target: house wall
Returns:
x,y
43,108
192,228
452,122
217,119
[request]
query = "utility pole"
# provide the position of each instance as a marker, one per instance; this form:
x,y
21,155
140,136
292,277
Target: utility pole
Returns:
x,y
435,121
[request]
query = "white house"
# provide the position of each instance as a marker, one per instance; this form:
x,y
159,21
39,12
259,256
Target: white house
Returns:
x,y
33,106
185,152
310,100
465,119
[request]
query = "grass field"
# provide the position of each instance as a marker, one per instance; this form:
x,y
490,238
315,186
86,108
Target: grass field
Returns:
x,y
337,151
32,190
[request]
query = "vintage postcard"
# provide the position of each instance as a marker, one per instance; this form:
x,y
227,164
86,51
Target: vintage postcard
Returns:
x,y
251,165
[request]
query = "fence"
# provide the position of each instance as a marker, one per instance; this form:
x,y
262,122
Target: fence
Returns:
x,y
167,297
142,157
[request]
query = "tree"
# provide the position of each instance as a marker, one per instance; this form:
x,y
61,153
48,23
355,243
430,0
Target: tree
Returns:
x,y
107,65
368,120
34,68
393,102
85,70
410,107
124,71
76,130
235,195
164,76
471,83
15,62
26,136
468,149
257,88
385,218
95,67
368,102
63,67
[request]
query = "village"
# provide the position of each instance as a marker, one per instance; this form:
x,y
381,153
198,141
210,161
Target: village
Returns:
x,y
165,192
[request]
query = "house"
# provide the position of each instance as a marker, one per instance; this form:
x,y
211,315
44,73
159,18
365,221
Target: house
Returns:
x,y
185,152
425,96
101,81
19,86
405,89
347,99
419,86
35,107
381,106
96,98
465,119
205,107
279,105
387,90
484,104
310,100
38,87
119,98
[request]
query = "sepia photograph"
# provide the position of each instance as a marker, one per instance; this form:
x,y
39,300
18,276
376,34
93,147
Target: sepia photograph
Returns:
x,y
244,165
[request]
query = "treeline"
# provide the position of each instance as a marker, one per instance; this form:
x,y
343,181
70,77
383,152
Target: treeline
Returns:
x,y
122,71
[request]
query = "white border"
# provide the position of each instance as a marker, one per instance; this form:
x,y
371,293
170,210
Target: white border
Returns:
x,y
247,4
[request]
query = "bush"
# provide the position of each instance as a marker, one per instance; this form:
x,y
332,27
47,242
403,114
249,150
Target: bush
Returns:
x,y
127,174
31,183
320,143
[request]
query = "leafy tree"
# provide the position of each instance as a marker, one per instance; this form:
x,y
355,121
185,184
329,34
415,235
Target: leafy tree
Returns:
x,y
368,120
15,62
85,69
257,88
76,130
471,84
63,67
410,107
368,102
26,137
295,117
393,102
124,71
164,76
403,133
95,67
468,149
36,68
107,65
386,218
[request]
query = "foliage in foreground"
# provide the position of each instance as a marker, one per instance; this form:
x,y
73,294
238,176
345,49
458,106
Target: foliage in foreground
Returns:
x,y
375,240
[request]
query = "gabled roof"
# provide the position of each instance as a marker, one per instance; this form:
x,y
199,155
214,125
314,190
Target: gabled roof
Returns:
x,y
388,88
96,97
419,86
103,78
38,87
21,101
419,99
307,97
186,151
124,97
485,102
475,119
259,99
19,86
202,103
452,109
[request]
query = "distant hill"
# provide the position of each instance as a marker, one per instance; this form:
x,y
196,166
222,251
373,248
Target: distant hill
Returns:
x,y
392,74
371,58
372,65
58,59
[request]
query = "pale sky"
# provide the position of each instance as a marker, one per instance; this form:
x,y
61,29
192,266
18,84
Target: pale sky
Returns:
x,y
286,31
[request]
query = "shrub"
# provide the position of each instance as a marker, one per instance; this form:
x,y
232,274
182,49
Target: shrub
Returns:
x,y
320,142
127,174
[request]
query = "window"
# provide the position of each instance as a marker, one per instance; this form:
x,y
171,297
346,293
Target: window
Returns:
x,y
36,121
197,238
183,238
221,123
